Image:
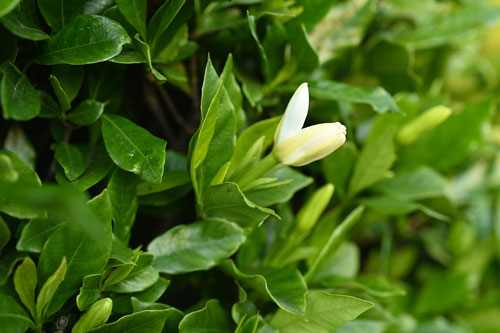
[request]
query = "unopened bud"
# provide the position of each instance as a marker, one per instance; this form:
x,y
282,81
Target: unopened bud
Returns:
x,y
97,315
423,123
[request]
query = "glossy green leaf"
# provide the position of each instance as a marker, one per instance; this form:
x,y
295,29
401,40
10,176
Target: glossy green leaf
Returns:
x,y
212,318
36,233
89,291
87,112
87,252
150,321
60,94
24,176
377,155
134,12
85,40
70,79
146,51
133,148
197,246
123,304
123,197
60,13
226,201
49,289
14,317
25,284
71,159
325,313
18,97
286,287
23,21
140,278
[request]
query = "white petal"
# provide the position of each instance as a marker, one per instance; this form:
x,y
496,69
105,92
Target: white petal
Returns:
x,y
295,115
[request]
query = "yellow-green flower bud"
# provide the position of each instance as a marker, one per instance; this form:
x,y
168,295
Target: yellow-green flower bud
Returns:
x,y
97,315
309,214
299,146
423,123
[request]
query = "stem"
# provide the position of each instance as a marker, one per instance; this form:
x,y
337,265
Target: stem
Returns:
x,y
258,170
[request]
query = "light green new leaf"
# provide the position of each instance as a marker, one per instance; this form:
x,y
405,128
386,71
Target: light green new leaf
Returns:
x,y
85,40
25,284
134,12
97,315
89,291
233,91
212,318
87,249
23,175
122,189
226,201
14,318
142,276
325,313
17,142
197,246
146,51
18,97
71,159
377,98
150,321
87,112
23,21
133,148
285,286
60,94
49,289
7,5
377,155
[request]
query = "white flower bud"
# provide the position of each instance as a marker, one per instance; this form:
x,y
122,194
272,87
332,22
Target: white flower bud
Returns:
x,y
299,146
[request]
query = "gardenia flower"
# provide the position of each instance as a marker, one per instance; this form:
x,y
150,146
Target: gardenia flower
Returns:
x,y
299,146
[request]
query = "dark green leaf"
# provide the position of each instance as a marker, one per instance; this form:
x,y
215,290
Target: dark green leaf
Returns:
x,y
7,264
4,234
212,318
133,148
23,21
89,291
150,321
19,98
123,198
140,278
87,112
134,12
71,159
85,40
36,233
161,20
197,246
14,318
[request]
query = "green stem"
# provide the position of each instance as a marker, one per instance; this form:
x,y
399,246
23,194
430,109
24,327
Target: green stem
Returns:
x,y
258,171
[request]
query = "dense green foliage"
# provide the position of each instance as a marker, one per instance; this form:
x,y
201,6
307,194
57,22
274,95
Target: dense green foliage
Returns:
x,y
139,191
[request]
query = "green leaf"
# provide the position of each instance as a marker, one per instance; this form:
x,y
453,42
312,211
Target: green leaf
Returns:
x,y
18,97
442,293
7,5
377,98
23,21
146,51
49,107
48,290
226,201
161,21
376,157
4,234
197,246
140,278
14,318
133,148
25,284
150,321
24,176
234,92
442,147
7,264
58,13
71,159
363,326
70,79
17,142
212,318
123,197
291,181
303,51
97,315
285,286
87,112
87,250
85,40
422,183
60,94
89,291
324,313
134,12
338,167
123,304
